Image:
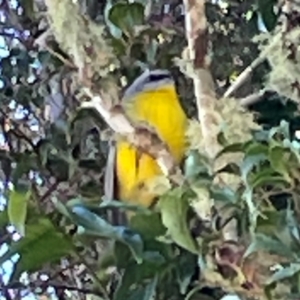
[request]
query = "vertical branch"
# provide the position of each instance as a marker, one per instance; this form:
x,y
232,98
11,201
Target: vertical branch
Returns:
x,y
197,37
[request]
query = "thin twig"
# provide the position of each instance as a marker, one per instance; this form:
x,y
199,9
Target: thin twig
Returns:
x,y
244,76
252,99
248,71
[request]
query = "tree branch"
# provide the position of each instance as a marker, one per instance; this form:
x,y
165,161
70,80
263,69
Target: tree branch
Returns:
x,y
244,76
197,37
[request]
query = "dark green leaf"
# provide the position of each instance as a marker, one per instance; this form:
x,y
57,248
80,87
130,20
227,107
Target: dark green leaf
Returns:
x,y
126,16
28,6
114,30
233,148
266,8
135,282
149,226
185,269
120,205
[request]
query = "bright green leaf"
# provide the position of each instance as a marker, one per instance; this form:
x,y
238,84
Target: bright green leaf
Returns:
x,y
255,148
279,162
17,209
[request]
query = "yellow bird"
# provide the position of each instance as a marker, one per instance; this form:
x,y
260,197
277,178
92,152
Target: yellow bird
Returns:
x,y
151,99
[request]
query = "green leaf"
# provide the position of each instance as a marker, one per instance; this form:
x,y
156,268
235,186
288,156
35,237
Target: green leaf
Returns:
x,y
174,207
111,204
278,162
185,269
262,242
135,283
44,148
151,52
280,225
94,225
42,244
266,177
284,273
17,209
252,206
26,162
233,148
225,194
283,128
196,164
4,220
149,226
146,292
256,148
126,16
114,30
249,163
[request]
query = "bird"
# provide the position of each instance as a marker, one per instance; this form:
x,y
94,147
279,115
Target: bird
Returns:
x,y
151,99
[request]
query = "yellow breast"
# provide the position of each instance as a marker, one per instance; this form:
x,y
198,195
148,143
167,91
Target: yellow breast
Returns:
x,y
162,110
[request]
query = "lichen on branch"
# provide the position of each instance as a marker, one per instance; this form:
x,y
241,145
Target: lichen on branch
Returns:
x,y
80,38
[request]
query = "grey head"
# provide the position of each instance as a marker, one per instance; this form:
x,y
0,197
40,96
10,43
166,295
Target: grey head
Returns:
x,y
149,80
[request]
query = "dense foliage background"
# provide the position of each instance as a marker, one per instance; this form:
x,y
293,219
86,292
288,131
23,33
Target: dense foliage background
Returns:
x,y
57,240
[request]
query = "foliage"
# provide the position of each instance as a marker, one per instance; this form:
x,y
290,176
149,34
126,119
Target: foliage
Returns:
x,y
53,159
